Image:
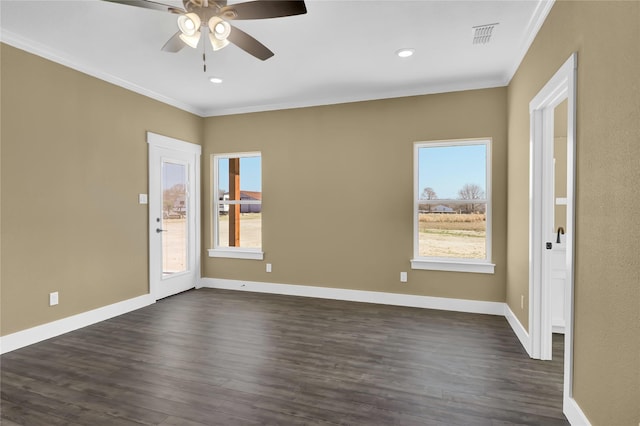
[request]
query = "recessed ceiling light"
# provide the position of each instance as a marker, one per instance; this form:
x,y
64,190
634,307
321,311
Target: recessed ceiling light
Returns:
x,y
405,53
216,80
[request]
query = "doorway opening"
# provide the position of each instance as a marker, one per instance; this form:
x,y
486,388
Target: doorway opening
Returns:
x,y
552,217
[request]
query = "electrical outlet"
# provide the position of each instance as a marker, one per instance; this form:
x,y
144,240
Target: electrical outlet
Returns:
x,y
403,277
522,301
268,267
53,298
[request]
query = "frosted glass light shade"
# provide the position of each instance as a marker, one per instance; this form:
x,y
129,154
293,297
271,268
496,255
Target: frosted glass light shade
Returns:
x,y
219,28
191,41
189,24
217,44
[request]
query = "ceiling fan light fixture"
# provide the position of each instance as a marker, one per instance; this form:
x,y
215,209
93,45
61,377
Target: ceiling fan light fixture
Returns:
x,y
191,40
189,24
219,28
217,44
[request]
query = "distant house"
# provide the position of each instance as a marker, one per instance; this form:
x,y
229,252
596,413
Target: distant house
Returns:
x,y
177,210
179,206
251,208
442,209
244,208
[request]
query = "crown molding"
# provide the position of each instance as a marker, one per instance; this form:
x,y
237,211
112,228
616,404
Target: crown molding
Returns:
x,y
45,52
433,89
535,23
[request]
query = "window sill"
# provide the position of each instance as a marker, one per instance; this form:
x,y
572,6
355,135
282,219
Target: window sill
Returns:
x,y
237,254
453,266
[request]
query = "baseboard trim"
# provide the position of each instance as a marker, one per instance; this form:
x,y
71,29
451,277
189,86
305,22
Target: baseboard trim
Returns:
x,y
397,299
521,333
27,337
574,413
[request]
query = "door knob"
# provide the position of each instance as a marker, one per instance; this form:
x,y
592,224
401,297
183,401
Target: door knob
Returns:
x,y
158,230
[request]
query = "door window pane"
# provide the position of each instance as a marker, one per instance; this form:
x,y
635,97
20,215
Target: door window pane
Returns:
x,y
174,218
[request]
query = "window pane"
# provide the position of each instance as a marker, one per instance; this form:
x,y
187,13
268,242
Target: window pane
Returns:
x,y
249,175
250,229
451,234
452,172
239,178
174,218
452,200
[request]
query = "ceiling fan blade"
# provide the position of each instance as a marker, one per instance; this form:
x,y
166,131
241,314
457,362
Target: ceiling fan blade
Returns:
x,y
249,44
263,9
174,44
149,5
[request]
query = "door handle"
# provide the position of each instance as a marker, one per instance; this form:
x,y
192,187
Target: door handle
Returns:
x,y
158,230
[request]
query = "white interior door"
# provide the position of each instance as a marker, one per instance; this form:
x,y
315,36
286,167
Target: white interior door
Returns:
x,y
174,215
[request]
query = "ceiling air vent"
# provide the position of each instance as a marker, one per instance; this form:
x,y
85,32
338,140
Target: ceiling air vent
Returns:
x,y
482,33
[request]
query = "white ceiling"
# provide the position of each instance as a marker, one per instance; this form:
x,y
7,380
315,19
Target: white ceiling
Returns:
x,y
340,51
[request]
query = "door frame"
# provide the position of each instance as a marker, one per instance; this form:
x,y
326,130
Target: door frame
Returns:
x,y
157,141
541,109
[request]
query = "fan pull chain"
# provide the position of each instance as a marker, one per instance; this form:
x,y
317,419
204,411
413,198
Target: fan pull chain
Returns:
x,y
204,57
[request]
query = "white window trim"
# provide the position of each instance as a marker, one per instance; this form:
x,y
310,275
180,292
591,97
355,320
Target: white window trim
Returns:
x,y
229,252
483,266
452,265
237,253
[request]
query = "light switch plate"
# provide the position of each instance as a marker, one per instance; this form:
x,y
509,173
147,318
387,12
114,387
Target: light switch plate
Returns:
x,y
53,298
403,277
142,199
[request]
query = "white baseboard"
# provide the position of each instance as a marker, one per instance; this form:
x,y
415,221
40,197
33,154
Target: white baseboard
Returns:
x,y
414,301
518,329
574,413
23,338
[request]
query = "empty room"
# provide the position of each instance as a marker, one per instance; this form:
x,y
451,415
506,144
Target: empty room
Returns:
x,y
299,212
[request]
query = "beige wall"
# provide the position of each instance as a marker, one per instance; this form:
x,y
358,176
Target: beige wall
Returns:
x,y
607,279
337,188
74,158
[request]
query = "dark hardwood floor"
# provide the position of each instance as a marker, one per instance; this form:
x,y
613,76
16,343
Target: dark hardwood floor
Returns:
x,y
214,357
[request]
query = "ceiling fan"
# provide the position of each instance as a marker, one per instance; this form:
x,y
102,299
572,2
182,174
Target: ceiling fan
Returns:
x,y
213,16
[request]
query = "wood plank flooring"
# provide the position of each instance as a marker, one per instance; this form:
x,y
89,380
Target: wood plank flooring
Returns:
x,y
215,357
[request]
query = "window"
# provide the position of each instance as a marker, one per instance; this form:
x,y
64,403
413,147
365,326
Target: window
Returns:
x,y
237,206
452,206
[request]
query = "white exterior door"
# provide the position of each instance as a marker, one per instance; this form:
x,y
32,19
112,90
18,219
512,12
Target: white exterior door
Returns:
x,y
174,215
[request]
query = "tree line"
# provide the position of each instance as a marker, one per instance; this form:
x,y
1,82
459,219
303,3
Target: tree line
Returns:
x,y
469,191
